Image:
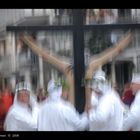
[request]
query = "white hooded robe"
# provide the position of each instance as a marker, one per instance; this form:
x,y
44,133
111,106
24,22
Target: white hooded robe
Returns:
x,y
60,115
20,117
108,115
132,121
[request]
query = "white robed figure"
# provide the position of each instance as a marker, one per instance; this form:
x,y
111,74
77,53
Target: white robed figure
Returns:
x,y
108,115
58,114
22,116
132,119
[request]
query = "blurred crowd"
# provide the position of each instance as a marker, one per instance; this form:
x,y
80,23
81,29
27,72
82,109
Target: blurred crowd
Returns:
x,y
52,111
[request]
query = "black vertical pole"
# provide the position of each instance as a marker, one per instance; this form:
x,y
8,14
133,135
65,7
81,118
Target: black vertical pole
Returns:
x,y
79,67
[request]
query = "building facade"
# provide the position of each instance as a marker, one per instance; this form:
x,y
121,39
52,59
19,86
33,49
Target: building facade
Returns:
x,y
18,62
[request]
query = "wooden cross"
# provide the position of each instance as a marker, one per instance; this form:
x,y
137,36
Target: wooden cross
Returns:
x,y
66,68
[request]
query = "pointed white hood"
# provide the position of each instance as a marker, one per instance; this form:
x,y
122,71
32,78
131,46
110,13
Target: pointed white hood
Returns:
x,y
21,86
54,91
21,115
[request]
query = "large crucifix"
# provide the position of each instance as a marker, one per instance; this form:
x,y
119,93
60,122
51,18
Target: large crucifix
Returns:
x,y
66,68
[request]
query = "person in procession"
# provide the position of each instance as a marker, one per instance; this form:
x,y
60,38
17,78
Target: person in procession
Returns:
x,y
108,115
132,121
58,114
22,116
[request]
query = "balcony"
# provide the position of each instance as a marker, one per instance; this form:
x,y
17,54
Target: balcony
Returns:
x,y
111,16
34,17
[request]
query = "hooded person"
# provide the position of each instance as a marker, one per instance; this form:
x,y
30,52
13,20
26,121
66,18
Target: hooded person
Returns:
x,y
59,115
108,115
132,120
22,116
95,95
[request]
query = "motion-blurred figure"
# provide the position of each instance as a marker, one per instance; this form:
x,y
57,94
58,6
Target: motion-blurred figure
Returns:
x,y
23,114
58,114
108,116
132,121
